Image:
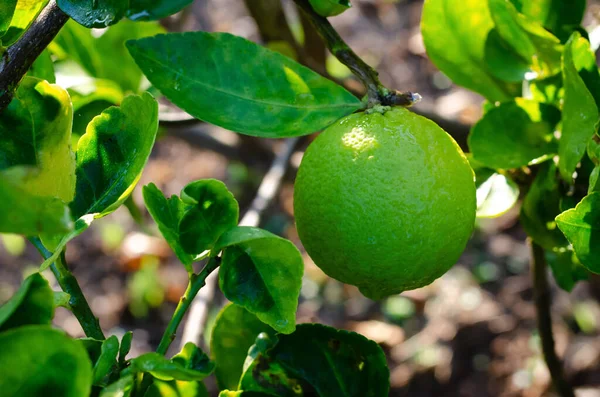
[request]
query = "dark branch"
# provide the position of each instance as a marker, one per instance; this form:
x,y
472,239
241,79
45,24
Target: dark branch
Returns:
x,y
542,298
19,57
377,93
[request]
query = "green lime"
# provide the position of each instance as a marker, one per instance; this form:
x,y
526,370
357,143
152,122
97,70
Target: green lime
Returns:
x,y
385,202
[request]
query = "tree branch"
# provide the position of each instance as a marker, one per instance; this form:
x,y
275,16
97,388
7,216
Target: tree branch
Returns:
x,y
19,57
542,299
376,92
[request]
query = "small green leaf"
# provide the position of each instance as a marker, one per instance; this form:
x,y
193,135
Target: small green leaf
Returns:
x,y
540,207
152,10
24,15
212,210
560,17
94,13
581,226
41,361
167,213
548,90
330,8
234,332
515,134
43,68
580,111
7,10
332,362
239,85
191,357
495,196
174,388
120,388
455,35
32,304
125,346
62,299
566,268
112,154
262,273
534,45
164,369
107,362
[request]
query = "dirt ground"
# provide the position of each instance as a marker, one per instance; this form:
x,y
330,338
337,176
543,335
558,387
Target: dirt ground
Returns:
x,y
470,333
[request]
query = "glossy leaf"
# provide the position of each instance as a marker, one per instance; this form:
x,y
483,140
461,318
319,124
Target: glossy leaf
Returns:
x,y
38,360
566,268
7,9
537,47
165,369
107,362
31,304
455,35
112,154
167,213
125,346
330,8
580,111
25,13
332,362
79,44
559,16
541,206
515,134
152,10
120,388
37,165
212,210
262,273
234,332
94,13
581,226
239,85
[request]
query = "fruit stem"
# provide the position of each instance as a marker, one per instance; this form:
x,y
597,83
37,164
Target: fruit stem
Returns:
x,y
541,293
377,94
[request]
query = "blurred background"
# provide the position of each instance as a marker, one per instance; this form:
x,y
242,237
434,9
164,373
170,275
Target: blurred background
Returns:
x,y
470,333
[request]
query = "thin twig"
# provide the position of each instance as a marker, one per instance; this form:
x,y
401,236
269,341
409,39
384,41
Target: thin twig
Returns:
x,y
376,92
542,298
19,57
197,281
69,284
196,322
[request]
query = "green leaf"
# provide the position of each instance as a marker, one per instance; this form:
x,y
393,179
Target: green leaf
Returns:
x,y
581,226
561,17
174,388
32,304
540,207
7,10
164,369
112,154
548,90
330,8
193,358
515,134
241,393
40,361
234,332
24,15
580,110
37,166
79,44
62,299
495,196
262,273
107,362
333,362
239,85
94,13
537,47
81,225
120,388
152,10
455,35
91,99
125,346
167,213
212,210
43,68
566,268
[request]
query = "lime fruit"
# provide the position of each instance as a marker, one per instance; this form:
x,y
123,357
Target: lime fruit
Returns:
x,y
385,202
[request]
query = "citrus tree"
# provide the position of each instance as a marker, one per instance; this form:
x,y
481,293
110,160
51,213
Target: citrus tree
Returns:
x,y
384,198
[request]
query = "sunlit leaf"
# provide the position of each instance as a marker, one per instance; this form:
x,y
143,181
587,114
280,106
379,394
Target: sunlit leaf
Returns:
x,y
94,13
24,15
